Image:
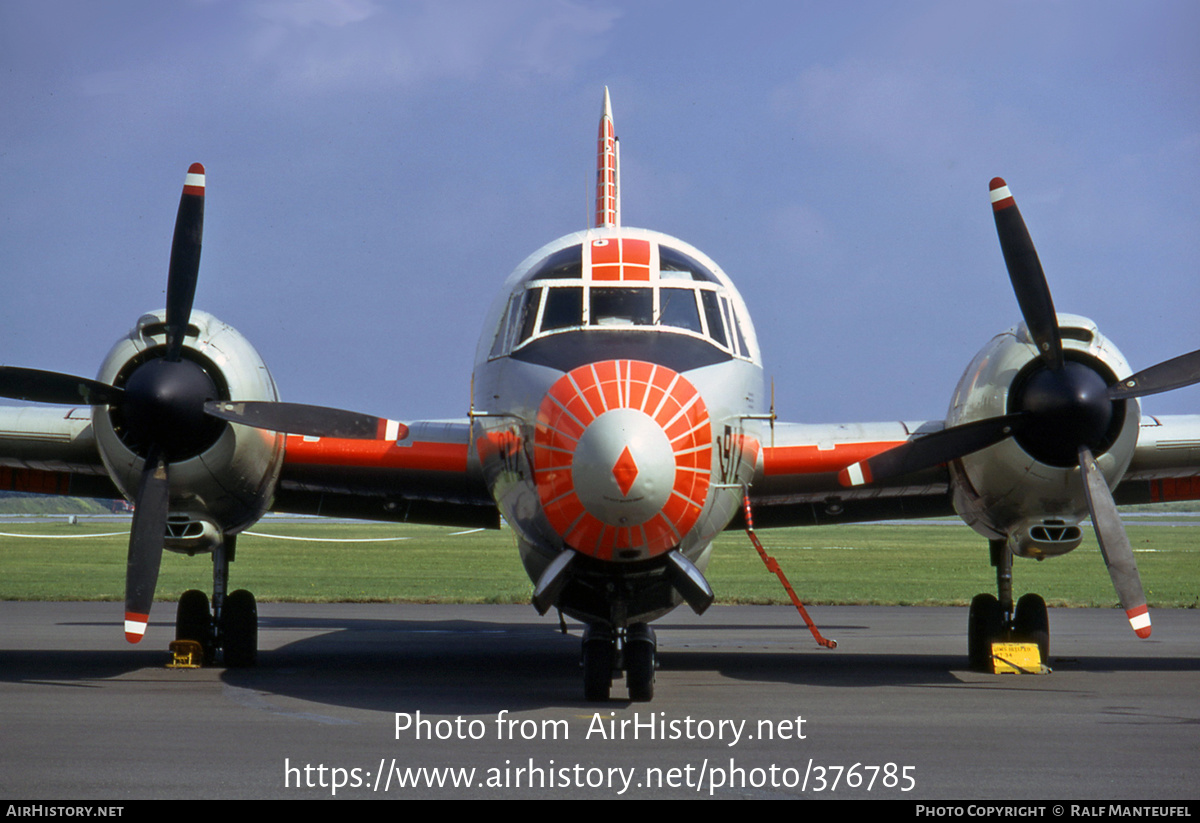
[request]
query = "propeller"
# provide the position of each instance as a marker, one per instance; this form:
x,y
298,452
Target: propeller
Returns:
x,y
160,410
162,419
52,387
1062,410
312,421
169,409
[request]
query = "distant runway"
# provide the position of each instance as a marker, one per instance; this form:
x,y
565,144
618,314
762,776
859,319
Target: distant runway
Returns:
x,y
745,706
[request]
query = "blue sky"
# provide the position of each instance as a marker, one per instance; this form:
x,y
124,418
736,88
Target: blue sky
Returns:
x,y
376,169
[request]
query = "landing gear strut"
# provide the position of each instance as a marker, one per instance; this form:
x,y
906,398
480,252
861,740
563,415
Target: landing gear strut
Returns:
x,y
231,626
993,619
633,649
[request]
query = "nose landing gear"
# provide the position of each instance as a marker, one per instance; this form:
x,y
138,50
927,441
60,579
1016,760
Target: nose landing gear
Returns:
x,y
633,650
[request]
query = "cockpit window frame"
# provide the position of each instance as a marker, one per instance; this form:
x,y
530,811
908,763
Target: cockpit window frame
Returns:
x,y
526,317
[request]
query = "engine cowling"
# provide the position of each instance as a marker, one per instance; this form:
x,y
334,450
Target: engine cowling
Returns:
x,y
222,476
1027,489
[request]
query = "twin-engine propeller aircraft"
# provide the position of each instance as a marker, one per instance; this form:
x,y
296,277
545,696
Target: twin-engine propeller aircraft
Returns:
x,y
618,424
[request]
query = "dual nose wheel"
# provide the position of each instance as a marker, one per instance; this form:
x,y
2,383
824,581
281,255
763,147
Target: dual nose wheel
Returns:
x,y
633,650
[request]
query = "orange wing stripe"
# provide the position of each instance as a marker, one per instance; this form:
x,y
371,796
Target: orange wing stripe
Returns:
x,y
779,460
443,457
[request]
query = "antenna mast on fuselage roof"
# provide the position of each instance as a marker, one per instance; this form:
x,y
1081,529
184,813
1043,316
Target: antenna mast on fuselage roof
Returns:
x,y
608,174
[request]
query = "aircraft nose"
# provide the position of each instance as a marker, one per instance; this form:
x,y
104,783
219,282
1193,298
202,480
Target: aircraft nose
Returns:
x,y
624,467
622,458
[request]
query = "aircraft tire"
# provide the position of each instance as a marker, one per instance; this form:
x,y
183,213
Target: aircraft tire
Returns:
x,y
193,621
985,625
1031,622
239,624
598,652
640,651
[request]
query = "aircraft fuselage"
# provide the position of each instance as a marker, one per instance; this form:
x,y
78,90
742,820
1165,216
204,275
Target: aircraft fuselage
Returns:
x,y
612,386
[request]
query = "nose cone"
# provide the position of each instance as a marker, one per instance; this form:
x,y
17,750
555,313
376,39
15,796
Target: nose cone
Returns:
x,y
622,458
623,468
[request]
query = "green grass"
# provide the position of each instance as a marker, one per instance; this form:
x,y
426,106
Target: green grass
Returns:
x,y
921,564
909,564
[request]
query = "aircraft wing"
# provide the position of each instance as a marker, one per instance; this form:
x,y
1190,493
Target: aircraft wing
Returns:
x,y
427,477
797,479
430,478
1166,462
51,450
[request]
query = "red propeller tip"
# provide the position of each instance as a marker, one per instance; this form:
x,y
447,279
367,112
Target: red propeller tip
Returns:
x,y
194,182
135,626
1139,619
1001,197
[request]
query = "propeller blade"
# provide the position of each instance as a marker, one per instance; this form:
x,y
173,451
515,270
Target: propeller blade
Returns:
x,y
53,387
1114,544
146,544
312,421
931,450
1025,272
185,259
1171,374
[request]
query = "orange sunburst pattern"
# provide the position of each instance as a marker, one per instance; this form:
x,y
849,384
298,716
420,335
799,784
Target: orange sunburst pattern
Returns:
x,y
575,402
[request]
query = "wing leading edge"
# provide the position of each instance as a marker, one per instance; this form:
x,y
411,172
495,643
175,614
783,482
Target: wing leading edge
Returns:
x,y
797,479
427,477
797,483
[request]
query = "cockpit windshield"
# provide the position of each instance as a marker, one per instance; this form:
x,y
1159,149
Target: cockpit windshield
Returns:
x,y
609,306
619,283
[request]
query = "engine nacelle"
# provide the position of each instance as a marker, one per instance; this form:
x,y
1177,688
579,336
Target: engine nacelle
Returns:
x,y
222,476
1028,489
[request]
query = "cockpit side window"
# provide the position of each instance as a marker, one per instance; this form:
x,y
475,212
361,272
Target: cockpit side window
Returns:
x,y
508,323
738,343
712,317
529,314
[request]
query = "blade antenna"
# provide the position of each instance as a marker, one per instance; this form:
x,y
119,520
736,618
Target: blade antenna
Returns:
x,y
607,154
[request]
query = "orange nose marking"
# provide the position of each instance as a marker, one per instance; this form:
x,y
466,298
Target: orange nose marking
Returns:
x,y
625,471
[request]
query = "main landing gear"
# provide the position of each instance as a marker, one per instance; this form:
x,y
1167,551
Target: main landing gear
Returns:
x,y
993,619
633,649
232,624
